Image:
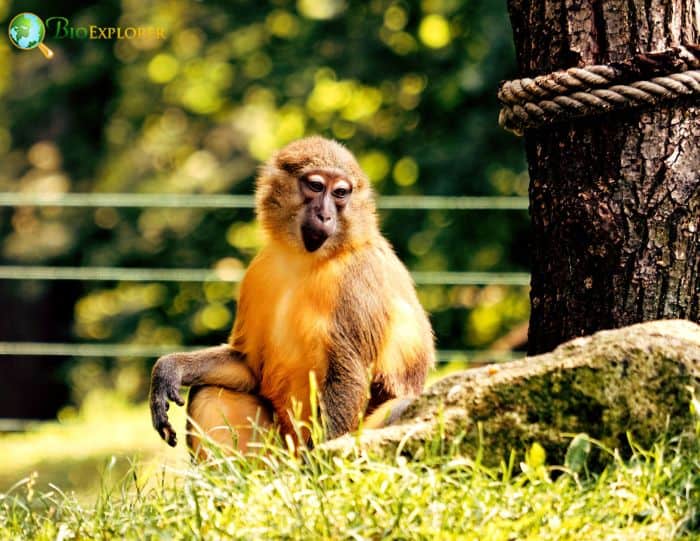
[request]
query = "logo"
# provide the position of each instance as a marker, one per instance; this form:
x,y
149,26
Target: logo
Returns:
x,y
60,28
27,31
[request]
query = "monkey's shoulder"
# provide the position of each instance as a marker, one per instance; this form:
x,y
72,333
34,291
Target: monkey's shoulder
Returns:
x,y
377,265
378,314
375,275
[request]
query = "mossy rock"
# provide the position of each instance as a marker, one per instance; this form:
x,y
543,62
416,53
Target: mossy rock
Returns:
x,y
631,382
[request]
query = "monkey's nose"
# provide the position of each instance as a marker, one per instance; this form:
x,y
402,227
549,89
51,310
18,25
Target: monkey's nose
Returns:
x,y
323,224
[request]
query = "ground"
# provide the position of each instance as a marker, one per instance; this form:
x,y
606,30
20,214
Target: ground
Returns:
x,y
441,494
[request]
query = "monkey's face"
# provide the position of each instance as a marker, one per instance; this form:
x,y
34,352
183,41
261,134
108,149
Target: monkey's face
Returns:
x,y
313,196
325,193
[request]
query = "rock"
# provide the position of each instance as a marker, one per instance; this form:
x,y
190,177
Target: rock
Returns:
x,y
633,380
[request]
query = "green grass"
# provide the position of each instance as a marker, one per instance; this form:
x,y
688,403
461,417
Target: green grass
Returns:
x,y
654,494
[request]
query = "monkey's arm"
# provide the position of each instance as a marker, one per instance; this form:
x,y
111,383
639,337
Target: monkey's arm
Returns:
x,y
221,365
358,329
382,343
344,395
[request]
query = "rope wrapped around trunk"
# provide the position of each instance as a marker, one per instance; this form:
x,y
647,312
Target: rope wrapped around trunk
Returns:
x,y
645,80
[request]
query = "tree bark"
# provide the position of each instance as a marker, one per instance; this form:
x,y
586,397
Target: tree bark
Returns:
x,y
615,199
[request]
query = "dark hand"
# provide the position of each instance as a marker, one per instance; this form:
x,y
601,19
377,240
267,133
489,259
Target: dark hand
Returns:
x,y
165,387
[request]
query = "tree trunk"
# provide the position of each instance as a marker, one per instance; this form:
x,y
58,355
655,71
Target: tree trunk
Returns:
x,y
615,199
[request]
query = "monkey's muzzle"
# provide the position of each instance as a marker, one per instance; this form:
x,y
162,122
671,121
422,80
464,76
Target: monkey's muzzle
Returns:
x,y
315,235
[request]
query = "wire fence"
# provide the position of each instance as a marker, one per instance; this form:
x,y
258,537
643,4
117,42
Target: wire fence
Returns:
x,y
213,202
147,351
124,274
16,425
227,201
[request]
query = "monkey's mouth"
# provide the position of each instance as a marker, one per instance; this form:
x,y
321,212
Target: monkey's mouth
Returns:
x,y
313,238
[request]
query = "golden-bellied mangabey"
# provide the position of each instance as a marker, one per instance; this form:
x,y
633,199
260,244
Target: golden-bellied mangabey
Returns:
x,y
326,294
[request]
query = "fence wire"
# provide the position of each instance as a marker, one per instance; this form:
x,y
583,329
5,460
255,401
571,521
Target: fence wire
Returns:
x,y
223,201
55,349
229,201
124,274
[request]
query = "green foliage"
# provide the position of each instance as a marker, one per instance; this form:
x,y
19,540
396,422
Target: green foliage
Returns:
x,y
409,86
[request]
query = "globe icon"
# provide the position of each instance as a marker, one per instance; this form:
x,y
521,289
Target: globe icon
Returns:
x,y
27,31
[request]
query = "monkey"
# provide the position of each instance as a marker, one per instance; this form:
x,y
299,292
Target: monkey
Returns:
x,y
326,294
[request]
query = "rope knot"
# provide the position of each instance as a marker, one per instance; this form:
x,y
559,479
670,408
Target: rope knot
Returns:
x,y
645,80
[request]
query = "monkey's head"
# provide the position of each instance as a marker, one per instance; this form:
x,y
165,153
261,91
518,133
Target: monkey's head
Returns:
x,y
312,195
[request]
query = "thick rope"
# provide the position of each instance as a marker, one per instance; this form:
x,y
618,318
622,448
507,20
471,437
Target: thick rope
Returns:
x,y
593,90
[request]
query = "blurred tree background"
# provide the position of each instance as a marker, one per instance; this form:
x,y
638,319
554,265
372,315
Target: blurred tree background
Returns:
x,y
409,86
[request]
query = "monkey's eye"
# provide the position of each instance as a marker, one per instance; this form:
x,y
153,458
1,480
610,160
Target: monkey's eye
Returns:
x,y
314,185
341,193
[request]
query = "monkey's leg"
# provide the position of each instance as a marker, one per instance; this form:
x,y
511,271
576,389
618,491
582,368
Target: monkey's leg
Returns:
x,y
233,420
221,365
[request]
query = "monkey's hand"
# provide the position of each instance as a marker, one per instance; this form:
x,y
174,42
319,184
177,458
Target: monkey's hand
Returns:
x,y
166,380
218,365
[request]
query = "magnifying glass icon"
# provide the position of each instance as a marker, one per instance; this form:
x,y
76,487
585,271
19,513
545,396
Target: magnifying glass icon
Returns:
x,y
27,31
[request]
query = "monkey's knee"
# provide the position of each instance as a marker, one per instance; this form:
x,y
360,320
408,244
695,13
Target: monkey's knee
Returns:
x,y
231,419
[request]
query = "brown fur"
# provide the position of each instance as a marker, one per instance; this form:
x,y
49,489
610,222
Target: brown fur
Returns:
x,y
348,311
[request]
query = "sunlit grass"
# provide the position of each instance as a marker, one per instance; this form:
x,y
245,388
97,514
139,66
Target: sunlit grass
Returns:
x,y
72,452
653,494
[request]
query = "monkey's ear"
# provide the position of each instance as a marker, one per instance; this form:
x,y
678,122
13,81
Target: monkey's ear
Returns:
x,y
290,168
289,161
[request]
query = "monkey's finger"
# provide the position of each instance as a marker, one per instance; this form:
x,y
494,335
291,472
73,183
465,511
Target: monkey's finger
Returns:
x,y
169,435
165,429
173,394
159,417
